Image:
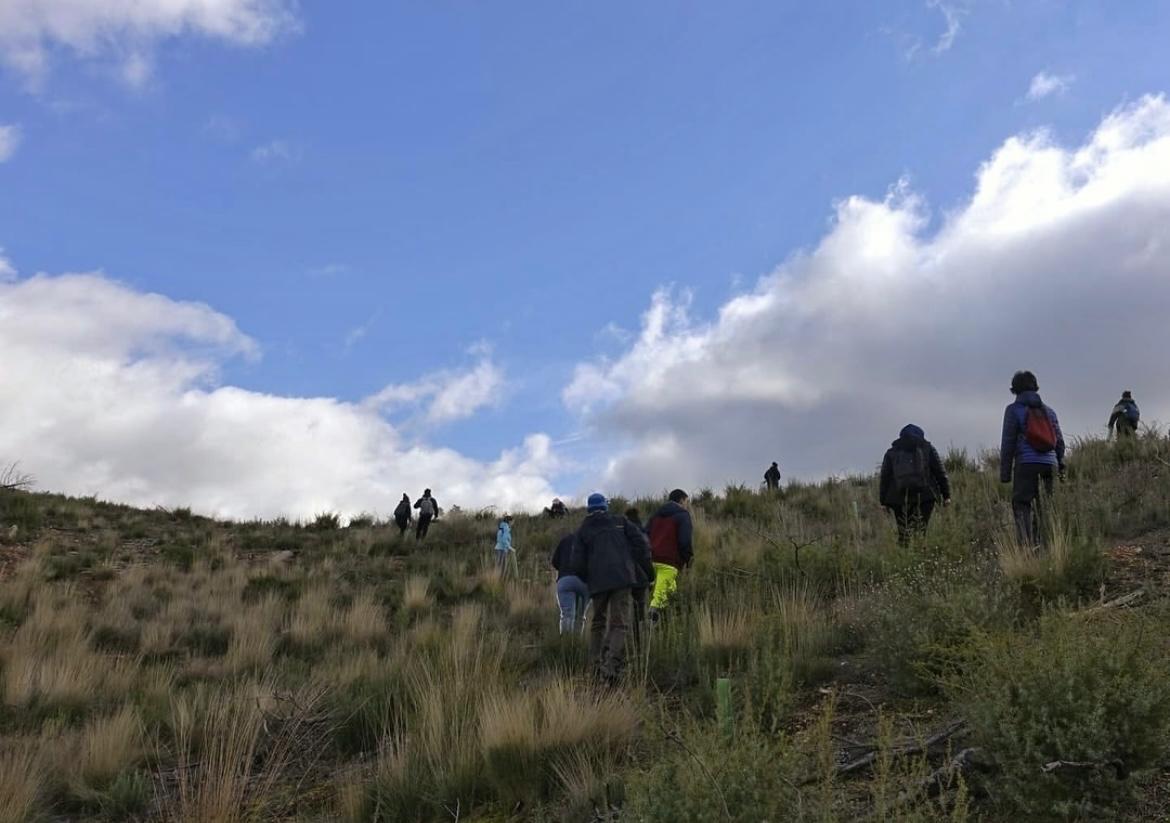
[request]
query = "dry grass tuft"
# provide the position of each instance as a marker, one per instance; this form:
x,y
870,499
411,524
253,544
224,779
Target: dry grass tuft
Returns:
x,y
365,622
22,779
724,631
110,745
416,593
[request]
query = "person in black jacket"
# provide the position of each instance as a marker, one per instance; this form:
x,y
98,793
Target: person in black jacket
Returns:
x,y
1125,417
913,479
606,553
772,477
402,515
428,509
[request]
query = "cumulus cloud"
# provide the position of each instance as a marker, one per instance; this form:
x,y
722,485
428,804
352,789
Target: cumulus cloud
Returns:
x,y
9,142
7,270
106,390
127,30
1058,262
445,396
1045,84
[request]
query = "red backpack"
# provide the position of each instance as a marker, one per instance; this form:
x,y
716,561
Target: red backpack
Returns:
x,y
1038,429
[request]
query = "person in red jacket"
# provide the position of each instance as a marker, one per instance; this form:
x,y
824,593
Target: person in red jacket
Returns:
x,y
671,549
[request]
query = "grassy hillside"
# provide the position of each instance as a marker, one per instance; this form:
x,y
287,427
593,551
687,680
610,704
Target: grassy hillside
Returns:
x,y
156,664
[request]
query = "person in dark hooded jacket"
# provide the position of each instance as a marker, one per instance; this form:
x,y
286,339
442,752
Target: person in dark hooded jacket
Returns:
x,y
913,480
402,515
606,552
1028,466
1125,417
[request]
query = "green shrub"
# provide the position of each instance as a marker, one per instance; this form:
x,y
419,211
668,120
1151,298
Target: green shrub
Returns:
x,y
918,622
703,776
1085,689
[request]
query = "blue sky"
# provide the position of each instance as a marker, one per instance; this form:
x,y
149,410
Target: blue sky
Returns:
x,y
379,191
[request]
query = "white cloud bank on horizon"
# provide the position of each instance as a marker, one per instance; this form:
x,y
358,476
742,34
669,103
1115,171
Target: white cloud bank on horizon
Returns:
x,y
1059,262
1045,84
109,391
127,30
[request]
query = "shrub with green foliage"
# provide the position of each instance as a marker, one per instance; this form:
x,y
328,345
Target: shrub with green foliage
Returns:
x,y
1071,712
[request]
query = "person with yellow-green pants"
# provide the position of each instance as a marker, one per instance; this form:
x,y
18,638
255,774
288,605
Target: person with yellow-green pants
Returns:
x,y
671,549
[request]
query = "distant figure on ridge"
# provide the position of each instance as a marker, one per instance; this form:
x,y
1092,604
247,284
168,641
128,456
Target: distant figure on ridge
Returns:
x,y
402,514
913,479
1125,416
1032,445
428,509
772,477
671,536
503,543
572,593
605,552
557,509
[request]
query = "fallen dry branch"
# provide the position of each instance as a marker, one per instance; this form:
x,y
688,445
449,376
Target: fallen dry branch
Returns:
x,y
1124,600
942,777
904,749
1057,765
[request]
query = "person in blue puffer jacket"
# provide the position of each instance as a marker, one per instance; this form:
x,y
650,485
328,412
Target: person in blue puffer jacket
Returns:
x,y
1029,469
503,543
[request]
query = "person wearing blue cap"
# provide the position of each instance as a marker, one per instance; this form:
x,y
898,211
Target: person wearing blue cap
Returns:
x,y
913,479
607,553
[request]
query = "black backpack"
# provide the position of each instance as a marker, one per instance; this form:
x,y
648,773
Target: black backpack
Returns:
x,y
911,472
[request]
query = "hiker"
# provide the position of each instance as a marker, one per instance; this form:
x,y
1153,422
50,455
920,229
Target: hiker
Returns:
x,y
671,532
772,477
572,593
1125,417
641,589
503,543
1032,445
557,509
428,509
913,480
402,514
605,552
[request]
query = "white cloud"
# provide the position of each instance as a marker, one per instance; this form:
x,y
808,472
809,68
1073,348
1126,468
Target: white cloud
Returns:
x,y
109,391
447,395
1058,262
10,137
276,151
7,270
1045,84
126,30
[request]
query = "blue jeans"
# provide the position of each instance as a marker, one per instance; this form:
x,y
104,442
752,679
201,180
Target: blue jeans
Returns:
x,y
572,595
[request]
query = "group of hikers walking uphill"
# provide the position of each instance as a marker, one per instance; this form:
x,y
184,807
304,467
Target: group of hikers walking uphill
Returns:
x,y
624,572
1031,458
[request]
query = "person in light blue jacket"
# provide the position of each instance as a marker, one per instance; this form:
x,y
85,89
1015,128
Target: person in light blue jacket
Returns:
x,y
503,543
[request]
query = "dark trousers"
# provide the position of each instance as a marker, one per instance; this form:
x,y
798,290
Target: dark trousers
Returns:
x,y
640,598
424,524
912,517
607,632
1031,484
403,524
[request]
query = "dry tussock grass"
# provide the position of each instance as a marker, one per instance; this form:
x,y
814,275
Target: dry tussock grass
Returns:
x,y
365,621
22,778
720,631
416,593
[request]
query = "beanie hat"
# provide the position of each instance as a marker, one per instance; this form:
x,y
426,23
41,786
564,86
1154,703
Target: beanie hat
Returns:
x,y
911,430
597,502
